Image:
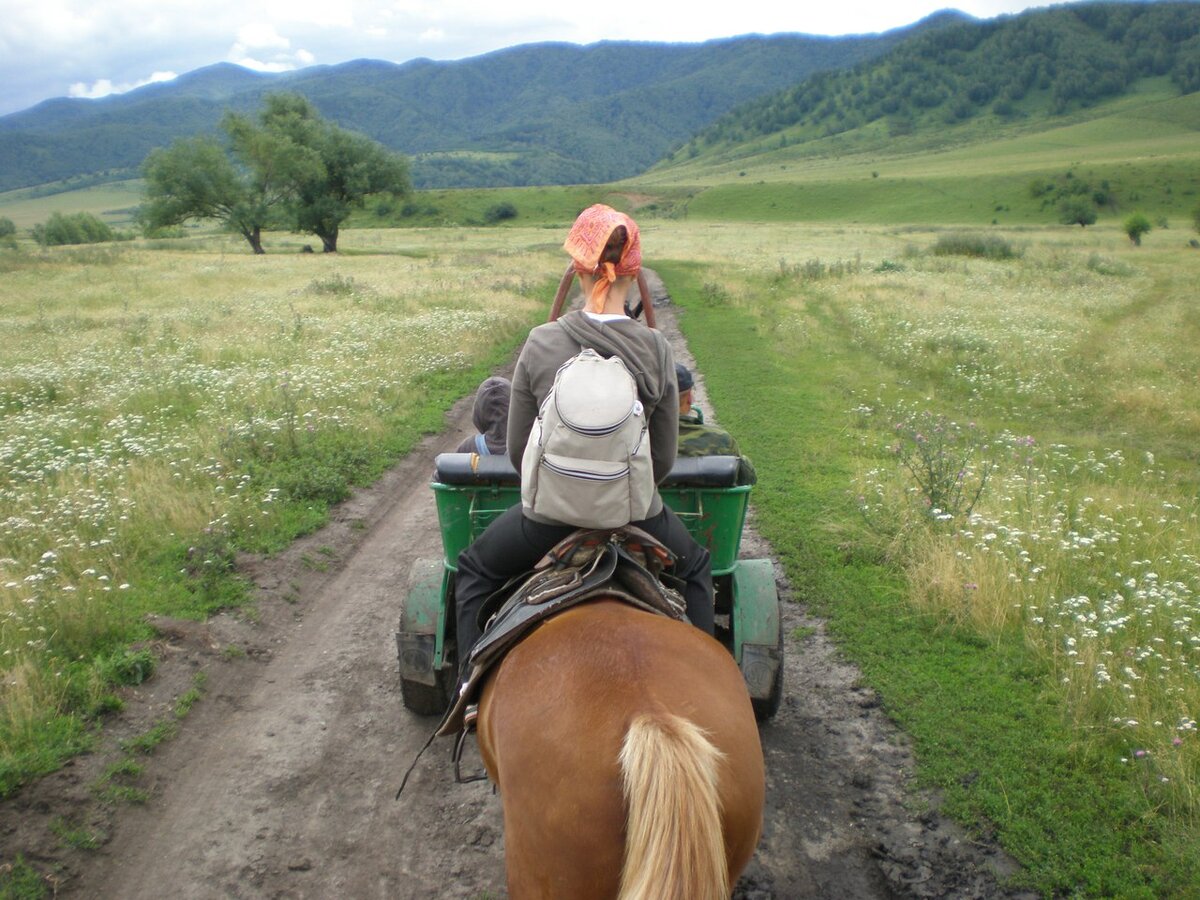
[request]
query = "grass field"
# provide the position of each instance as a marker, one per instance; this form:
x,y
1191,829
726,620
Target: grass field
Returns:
x,y
1041,647
165,407
113,203
161,409
977,173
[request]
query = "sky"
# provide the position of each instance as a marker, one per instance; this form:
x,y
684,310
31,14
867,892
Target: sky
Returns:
x,y
70,48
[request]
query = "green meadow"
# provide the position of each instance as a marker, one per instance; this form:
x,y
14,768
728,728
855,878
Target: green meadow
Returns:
x,y
114,203
975,431
979,173
161,410
984,472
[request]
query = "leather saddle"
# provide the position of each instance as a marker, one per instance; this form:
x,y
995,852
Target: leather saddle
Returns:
x,y
626,564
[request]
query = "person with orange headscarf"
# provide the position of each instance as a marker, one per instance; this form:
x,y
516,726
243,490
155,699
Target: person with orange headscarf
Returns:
x,y
605,247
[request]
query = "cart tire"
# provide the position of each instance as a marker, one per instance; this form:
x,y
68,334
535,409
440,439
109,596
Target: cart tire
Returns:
x,y
426,699
425,686
766,707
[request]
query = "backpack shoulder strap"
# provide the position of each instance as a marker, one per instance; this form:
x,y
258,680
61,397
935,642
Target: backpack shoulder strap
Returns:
x,y
481,446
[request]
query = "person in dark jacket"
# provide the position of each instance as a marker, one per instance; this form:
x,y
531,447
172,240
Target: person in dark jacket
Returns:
x,y
490,417
606,248
696,438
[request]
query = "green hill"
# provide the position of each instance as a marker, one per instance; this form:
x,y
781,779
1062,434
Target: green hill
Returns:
x,y
1138,152
1038,65
535,114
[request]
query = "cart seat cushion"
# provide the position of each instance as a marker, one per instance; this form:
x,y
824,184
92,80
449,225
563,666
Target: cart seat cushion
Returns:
x,y
690,471
471,468
703,471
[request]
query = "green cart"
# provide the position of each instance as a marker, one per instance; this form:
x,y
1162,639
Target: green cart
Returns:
x,y
472,490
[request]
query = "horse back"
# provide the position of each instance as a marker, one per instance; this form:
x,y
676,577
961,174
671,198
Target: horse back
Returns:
x,y
553,722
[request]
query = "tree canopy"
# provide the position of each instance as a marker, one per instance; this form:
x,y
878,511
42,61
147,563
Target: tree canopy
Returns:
x,y
1077,211
1135,227
290,168
195,179
351,167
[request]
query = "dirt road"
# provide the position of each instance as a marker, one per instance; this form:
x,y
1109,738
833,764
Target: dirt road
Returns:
x,y
281,781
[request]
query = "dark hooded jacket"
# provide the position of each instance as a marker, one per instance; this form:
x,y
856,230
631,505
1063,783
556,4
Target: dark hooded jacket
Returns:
x,y
490,416
644,351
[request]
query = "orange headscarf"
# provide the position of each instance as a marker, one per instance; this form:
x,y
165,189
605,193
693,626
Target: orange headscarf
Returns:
x,y
586,242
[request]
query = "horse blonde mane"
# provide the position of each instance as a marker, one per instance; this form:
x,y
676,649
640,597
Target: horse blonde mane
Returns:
x,y
674,845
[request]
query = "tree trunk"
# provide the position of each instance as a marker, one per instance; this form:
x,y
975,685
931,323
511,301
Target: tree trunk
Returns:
x,y
329,240
254,237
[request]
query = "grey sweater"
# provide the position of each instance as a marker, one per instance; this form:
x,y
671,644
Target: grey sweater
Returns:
x,y
644,350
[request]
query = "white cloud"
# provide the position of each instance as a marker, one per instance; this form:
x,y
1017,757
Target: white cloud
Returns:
x,y
104,86
258,65
259,35
260,47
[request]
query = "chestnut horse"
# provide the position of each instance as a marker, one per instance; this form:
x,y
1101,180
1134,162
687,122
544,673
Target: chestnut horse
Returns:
x,y
627,757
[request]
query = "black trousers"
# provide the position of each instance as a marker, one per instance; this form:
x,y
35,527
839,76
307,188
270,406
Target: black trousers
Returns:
x,y
512,544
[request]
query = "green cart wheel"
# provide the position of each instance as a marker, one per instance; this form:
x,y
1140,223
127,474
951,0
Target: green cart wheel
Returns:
x,y
426,662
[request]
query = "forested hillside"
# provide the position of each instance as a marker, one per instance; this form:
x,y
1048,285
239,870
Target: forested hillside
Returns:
x,y
1040,63
535,114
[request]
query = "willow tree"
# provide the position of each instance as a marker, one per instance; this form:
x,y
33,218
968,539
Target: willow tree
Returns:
x,y
352,167
243,186
287,167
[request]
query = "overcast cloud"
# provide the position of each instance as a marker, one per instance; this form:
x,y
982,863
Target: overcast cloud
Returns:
x,y
58,48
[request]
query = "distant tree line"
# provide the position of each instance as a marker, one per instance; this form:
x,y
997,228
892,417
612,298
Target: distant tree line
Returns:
x,y
1055,59
289,168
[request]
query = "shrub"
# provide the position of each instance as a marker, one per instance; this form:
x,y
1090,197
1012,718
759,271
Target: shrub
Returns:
x,y
336,284
1040,187
165,232
1004,108
987,246
1104,266
73,228
1136,226
1076,211
8,233
499,213
128,667
816,269
949,463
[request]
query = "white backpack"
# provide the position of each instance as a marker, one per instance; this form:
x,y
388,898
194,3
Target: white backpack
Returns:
x,y
587,462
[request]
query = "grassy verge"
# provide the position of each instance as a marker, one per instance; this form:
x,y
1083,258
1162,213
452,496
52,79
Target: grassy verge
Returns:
x,y
994,729
161,411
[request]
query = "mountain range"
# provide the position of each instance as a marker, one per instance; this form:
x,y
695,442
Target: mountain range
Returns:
x,y
533,114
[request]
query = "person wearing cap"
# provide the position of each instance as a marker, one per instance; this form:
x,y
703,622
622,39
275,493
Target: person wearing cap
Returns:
x,y
605,246
490,417
699,439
